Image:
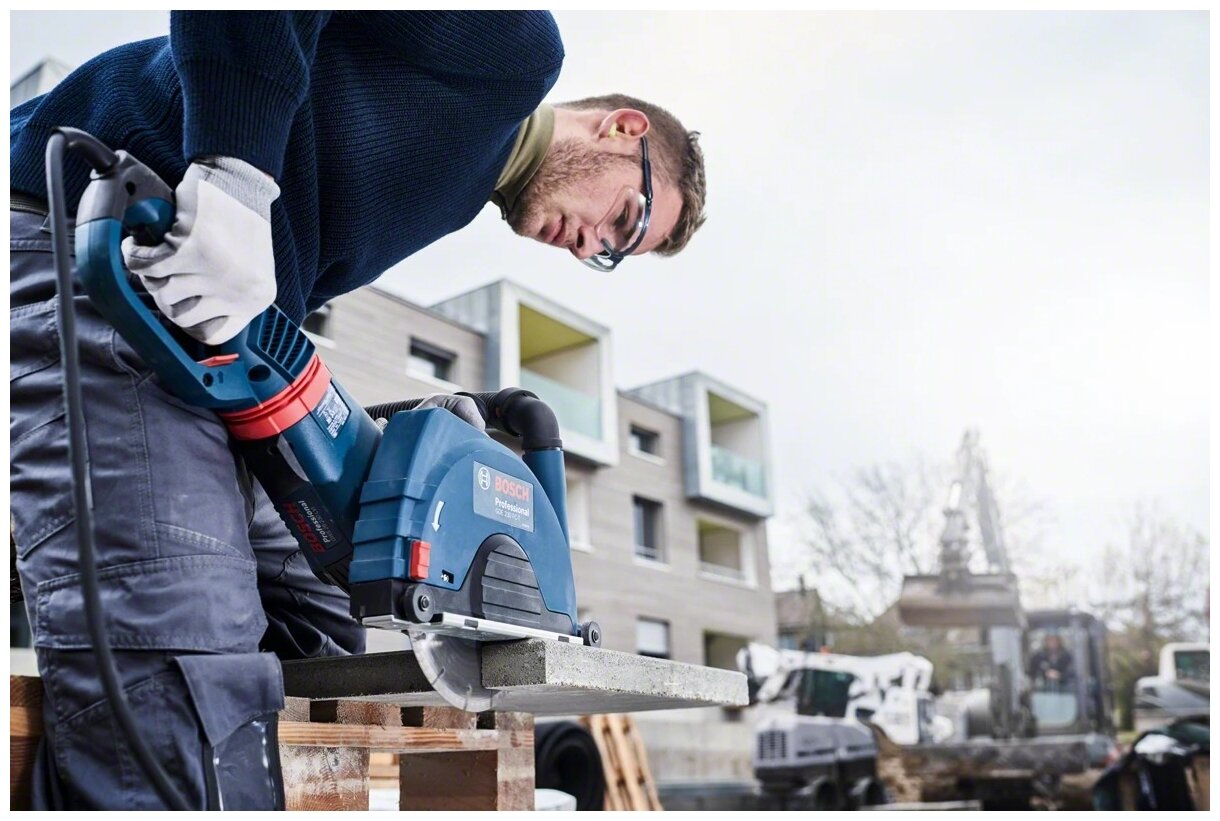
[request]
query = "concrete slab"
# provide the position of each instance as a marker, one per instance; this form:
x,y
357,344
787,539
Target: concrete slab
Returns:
x,y
536,676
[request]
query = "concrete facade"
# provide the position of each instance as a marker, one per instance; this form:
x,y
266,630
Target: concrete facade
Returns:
x,y
710,607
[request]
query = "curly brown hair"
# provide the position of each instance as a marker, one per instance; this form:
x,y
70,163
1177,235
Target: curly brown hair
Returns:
x,y
676,153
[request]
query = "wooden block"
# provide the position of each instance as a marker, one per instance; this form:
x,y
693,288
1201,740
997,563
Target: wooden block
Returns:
x,y
355,712
515,767
439,717
25,691
383,770
24,733
325,778
506,721
1200,775
295,709
328,776
499,779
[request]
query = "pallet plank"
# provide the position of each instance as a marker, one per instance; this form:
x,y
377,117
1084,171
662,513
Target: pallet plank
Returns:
x,y
399,739
629,783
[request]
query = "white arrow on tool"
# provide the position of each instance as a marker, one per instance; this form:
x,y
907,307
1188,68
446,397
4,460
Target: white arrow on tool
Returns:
x,y
436,518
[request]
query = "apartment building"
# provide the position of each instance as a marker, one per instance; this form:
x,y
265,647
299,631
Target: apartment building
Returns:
x,y
669,484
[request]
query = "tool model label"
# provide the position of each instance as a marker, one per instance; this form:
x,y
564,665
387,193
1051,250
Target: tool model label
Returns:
x,y
332,411
503,498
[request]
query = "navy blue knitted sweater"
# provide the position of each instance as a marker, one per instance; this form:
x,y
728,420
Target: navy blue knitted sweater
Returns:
x,y
385,130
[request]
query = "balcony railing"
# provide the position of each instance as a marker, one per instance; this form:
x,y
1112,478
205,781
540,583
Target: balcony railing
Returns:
x,y
721,571
577,411
730,468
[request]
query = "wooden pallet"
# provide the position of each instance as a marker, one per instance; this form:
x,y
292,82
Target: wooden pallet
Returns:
x,y
629,784
441,759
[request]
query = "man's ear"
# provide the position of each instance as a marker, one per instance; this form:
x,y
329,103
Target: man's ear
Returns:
x,y
623,123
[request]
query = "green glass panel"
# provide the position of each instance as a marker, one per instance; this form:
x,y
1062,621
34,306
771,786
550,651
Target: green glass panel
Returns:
x,y
733,469
577,411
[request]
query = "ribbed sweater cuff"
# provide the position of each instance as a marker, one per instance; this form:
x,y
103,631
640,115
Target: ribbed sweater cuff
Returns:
x,y
231,112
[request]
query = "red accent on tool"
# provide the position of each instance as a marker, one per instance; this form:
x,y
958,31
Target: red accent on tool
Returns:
x,y
290,406
421,555
219,359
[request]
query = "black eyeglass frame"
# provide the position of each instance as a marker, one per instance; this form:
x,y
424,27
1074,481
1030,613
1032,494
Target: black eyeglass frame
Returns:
x,y
609,259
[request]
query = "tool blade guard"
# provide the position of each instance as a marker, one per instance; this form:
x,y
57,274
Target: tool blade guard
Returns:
x,y
453,522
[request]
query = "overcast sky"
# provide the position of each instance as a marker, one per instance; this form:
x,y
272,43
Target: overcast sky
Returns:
x,y
918,223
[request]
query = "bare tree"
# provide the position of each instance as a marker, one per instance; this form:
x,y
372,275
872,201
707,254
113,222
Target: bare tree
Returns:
x,y
1157,582
1152,589
860,536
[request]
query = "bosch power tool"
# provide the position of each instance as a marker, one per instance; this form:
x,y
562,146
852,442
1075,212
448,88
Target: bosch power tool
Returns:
x,y
432,526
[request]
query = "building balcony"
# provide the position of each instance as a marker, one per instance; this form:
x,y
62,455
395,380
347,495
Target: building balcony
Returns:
x,y
577,411
725,438
724,554
543,347
731,469
733,574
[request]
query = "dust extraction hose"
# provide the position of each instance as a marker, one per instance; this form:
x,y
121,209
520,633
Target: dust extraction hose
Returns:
x,y
566,759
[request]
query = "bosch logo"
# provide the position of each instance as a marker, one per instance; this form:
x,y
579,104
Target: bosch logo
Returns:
x,y
484,478
303,527
509,487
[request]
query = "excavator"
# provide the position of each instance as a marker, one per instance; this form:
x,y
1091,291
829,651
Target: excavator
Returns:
x,y
814,746
1036,705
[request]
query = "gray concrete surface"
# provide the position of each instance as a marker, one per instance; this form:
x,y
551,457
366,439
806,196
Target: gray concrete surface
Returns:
x,y
536,676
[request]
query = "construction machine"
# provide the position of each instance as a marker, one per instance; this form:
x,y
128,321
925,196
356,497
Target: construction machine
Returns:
x,y
1036,705
813,743
959,595
1180,689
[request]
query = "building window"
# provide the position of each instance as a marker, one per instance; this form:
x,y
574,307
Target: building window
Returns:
x,y
723,553
318,323
645,441
648,529
578,513
652,638
720,650
429,361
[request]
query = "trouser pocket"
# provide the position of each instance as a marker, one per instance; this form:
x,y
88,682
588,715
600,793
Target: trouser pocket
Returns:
x,y
209,720
237,700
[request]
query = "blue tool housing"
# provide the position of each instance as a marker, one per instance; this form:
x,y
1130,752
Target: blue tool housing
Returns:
x,y
434,480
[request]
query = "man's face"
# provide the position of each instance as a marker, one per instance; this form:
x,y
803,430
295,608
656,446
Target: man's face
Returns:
x,y
1052,643
576,187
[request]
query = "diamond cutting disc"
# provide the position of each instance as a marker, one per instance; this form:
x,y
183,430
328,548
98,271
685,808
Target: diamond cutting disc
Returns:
x,y
454,668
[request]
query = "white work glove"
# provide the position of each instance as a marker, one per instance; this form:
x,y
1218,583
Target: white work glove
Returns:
x,y
463,407
215,269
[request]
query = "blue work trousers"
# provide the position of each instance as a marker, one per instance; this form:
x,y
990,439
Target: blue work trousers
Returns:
x,y
203,588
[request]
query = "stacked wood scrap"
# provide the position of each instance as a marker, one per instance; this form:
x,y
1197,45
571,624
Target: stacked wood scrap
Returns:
x,y
629,783
903,787
25,728
383,771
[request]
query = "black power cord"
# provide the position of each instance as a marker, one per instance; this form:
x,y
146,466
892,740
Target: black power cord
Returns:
x,y
82,497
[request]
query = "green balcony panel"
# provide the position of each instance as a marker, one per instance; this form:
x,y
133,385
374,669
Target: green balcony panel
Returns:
x,y
577,411
730,468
